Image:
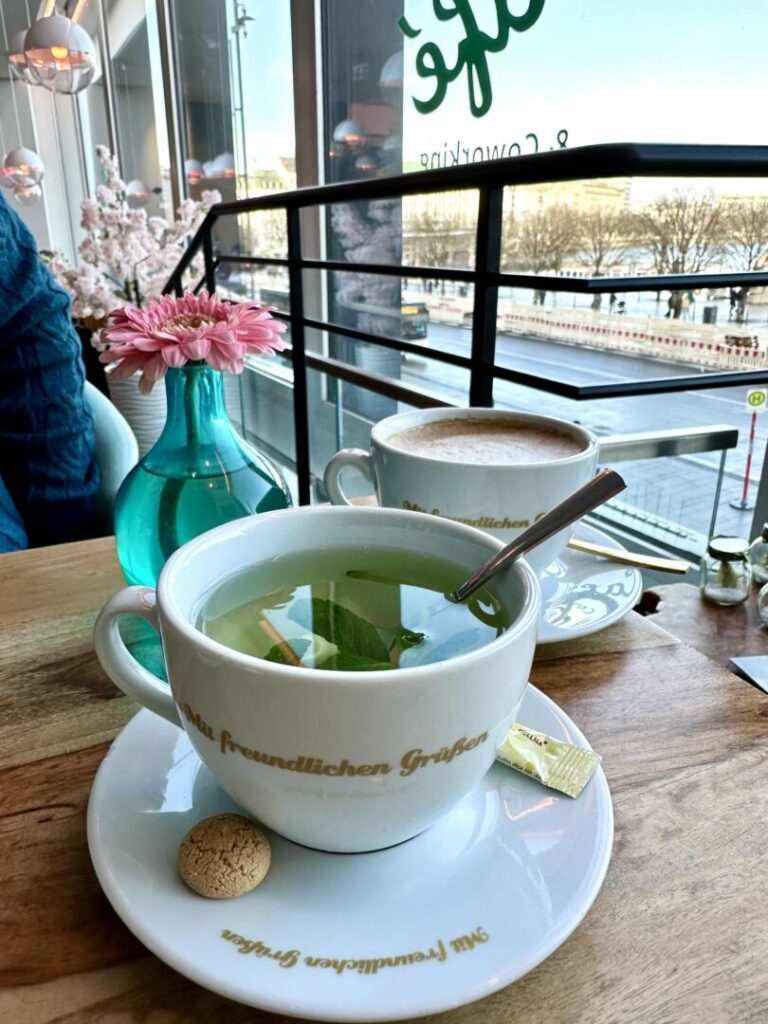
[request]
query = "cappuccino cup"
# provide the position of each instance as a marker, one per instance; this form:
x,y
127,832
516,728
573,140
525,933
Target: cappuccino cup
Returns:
x,y
344,761
495,470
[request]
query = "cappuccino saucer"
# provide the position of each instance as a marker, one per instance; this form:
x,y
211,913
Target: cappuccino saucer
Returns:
x,y
449,917
582,594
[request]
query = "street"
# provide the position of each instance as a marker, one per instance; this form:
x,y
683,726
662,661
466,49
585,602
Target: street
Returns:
x,y
672,490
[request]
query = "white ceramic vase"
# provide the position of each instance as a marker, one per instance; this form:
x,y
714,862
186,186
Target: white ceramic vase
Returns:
x,y
145,413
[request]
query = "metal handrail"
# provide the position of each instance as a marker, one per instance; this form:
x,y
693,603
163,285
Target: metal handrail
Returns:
x,y
489,180
654,444
576,285
604,161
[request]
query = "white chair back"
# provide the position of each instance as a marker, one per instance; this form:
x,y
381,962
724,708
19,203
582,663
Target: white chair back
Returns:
x,y
116,451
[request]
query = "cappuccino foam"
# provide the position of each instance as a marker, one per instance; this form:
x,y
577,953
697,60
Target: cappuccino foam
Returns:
x,y
485,441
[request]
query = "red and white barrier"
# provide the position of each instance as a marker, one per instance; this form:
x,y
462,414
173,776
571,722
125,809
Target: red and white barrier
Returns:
x,y
672,340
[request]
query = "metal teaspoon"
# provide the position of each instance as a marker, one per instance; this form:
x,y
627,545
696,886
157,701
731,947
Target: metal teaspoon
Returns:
x,y
602,487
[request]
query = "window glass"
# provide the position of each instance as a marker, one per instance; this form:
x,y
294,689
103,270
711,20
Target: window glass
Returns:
x,y
486,79
139,106
421,84
362,121
235,86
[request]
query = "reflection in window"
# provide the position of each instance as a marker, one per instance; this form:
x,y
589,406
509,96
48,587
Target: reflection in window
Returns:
x,y
205,98
139,110
363,116
236,98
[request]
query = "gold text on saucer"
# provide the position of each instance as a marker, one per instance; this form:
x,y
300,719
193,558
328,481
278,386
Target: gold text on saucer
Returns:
x,y
438,952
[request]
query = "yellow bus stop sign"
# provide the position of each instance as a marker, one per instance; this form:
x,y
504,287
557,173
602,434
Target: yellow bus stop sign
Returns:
x,y
757,399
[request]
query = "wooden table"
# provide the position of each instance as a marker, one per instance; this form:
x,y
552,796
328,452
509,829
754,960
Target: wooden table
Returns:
x,y
719,632
677,935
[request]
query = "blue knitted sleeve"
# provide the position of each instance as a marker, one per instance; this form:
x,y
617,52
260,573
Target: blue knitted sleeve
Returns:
x,y
46,427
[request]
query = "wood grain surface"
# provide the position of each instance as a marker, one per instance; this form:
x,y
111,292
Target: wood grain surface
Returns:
x,y
719,632
676,935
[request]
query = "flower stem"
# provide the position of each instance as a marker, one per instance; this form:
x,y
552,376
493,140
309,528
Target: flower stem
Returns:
x,y
168,535
192,415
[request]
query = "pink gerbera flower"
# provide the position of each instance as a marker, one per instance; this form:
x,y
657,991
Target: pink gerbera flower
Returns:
x,y
192,329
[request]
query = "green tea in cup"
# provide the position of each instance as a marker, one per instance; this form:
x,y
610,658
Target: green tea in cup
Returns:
x,y
324,756
350,609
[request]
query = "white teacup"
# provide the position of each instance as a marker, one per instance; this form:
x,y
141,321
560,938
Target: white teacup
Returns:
x,y
341,761
502,498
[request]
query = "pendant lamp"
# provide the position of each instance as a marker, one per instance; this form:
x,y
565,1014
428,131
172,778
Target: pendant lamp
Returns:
x,y
137,195
193,170
348,132
223,166
60,54
23,168
391,79
365,164
17,59
29,195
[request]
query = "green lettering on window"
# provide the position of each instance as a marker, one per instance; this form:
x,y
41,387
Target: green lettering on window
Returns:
x,y
472,51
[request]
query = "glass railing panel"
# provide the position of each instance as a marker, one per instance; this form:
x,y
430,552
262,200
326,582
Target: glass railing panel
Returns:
x,y
439,229
669,499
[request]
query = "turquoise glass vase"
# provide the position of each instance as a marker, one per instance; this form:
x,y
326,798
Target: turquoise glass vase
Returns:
x,y
199,474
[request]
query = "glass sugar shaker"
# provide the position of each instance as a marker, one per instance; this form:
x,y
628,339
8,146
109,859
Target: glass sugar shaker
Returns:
x,y
726,571
758,556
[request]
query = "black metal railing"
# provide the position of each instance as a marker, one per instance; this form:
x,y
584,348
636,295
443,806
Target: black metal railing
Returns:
x,y
489,180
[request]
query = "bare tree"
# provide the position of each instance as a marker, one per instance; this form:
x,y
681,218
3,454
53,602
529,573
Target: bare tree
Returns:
x,y
543,241
436,241
682,233
604,239
745,236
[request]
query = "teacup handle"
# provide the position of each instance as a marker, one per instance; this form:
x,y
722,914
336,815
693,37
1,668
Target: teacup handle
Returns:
x,y
356,457
118,662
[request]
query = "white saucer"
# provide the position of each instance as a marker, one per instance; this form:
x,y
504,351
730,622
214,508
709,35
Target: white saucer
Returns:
x,y
582,594
513,868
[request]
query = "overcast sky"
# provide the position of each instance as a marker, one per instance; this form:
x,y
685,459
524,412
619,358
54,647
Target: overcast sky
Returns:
x,y
605,71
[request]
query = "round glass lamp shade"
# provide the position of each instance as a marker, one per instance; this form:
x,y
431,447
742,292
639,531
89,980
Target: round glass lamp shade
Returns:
x,y
349,132
60,54
224,166
391,76
392,153
23,168
17,59
28,196
366,164
193,170
137,194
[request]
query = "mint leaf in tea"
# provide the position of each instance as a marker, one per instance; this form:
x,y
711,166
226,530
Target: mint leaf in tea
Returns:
x,y
351,609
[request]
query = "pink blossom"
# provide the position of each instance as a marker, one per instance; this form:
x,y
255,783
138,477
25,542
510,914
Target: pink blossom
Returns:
x,y
158,226
91,215
193,329
105,195
129,256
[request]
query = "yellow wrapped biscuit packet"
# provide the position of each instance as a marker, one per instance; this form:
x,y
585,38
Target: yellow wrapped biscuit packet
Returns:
x,y
556,764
